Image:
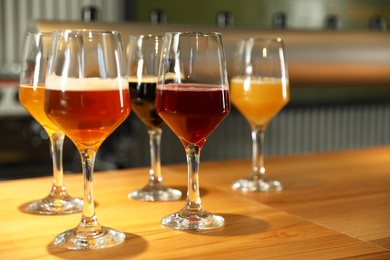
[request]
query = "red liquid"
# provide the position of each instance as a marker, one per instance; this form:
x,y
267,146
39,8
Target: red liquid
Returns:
x,y
87,117
192,111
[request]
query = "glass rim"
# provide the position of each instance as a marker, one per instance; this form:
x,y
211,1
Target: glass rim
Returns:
x,y
194,33
86,32
145,36
269,39
38,33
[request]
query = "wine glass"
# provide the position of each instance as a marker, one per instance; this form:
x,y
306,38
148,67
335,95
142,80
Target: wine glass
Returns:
x,y
87,96
259,90
143,57
192,98
31,96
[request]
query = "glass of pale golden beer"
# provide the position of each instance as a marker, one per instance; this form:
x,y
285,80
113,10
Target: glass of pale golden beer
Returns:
x,y
259,90
142,65
87,97
31,96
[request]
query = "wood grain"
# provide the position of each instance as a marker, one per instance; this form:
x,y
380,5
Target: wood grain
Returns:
x,y
335,205
346,191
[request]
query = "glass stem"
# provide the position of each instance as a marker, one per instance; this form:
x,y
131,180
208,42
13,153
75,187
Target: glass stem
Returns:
x,y
56,144
88,219
155,162
258,170
193,201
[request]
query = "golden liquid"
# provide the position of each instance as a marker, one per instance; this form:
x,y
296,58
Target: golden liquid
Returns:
x,y
259,101
88,117
32,100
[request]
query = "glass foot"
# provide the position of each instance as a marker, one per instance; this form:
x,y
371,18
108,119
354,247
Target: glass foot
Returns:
x,y
160,193
193,220
81,239
53,206
257,185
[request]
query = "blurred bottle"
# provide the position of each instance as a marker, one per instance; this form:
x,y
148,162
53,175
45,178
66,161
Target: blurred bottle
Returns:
x,y
157,17
225,19
332,22
280,20
90,13
378,23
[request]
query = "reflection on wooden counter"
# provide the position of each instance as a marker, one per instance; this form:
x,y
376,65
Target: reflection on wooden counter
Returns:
x,y
335,205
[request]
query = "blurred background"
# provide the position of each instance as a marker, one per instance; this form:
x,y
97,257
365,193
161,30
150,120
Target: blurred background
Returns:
x,y
338,53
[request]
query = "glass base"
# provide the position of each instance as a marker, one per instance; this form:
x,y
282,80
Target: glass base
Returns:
x,y
153,194
194,220
77,239
52,206
257,185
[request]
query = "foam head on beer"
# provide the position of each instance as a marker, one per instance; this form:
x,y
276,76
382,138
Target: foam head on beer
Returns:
x,y
143,79
54,82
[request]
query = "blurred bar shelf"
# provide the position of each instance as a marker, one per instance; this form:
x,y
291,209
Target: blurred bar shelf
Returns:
x,y
325,67
335,205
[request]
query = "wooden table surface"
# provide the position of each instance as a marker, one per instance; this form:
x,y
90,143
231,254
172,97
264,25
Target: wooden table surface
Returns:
x,y
334,206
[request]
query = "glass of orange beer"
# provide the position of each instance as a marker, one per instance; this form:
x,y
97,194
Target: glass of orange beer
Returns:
x,y
259,90
31,96
87,97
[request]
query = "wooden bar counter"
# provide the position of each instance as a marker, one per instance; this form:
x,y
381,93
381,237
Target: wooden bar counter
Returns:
x,y
334,206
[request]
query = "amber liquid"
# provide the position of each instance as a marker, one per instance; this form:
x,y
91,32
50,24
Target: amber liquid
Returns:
x,y
87,117
32,100
259,101
142,98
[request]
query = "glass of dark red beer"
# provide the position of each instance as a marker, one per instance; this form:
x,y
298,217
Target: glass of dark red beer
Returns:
x,y
192,97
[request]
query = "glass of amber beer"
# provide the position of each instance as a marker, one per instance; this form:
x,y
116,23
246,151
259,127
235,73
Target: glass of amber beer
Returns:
x,y
259,90
143,60
87,97
31,96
